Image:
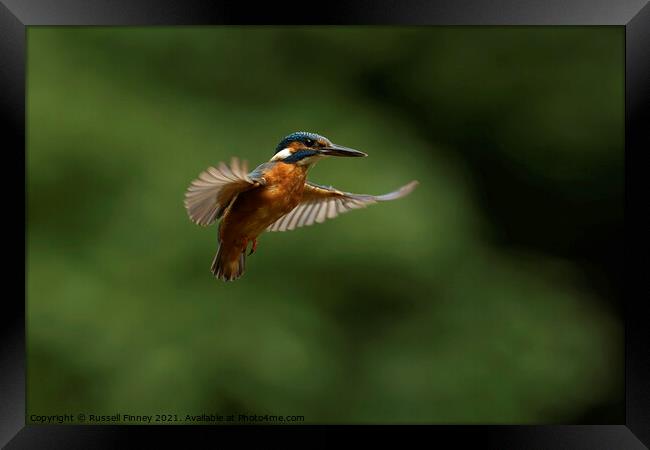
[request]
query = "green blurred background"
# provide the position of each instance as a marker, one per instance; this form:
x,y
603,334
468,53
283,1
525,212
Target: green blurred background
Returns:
x,y
489,295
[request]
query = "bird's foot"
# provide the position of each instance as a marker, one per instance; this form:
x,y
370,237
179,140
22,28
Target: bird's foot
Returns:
x,y
254,247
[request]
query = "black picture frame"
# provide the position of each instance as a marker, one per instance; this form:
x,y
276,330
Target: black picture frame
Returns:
x,y
16,15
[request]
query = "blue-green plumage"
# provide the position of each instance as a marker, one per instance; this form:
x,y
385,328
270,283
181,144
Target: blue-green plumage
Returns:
x,y
300,154
299,136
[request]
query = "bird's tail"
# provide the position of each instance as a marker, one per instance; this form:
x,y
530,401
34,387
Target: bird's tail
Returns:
x,y
229,263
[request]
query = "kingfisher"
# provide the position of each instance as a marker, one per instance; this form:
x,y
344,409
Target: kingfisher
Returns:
x,y
275,196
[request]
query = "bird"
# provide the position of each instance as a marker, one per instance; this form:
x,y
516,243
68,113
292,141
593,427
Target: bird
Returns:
x,y
275,196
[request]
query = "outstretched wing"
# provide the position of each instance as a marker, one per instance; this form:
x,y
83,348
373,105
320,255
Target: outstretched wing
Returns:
x,y
322,202
213,191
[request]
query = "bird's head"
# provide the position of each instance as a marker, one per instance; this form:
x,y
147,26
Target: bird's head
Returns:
x,y
306,148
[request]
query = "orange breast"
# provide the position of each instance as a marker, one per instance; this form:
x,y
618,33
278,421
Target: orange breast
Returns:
x,y
255,210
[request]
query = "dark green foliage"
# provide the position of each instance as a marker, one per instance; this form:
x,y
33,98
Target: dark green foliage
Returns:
x,y
484,296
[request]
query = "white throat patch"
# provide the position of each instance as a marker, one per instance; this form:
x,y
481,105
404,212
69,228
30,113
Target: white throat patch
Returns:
x,y
282,154
309,160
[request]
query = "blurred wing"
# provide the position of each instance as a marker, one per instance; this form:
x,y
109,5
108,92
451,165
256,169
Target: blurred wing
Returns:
x,y
213,191
322,202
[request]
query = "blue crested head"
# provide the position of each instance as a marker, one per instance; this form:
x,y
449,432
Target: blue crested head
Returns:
x,y
303,147
302,138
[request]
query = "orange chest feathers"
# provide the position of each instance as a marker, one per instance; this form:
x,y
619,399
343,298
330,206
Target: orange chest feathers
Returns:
x,y
284,184
256,209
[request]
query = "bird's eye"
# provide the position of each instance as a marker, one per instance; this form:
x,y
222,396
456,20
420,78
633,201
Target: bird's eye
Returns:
x,y
309,142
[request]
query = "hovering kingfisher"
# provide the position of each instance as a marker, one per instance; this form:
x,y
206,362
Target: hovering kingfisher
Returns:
x,y
275,197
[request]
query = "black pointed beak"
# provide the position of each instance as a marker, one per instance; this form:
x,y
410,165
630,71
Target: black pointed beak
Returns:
x,y
339,150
